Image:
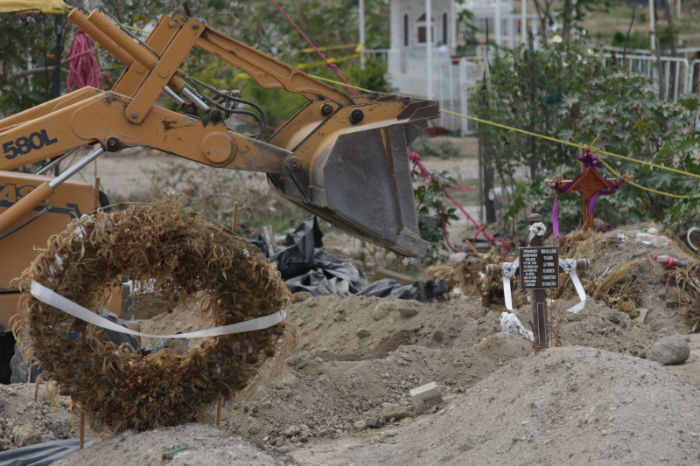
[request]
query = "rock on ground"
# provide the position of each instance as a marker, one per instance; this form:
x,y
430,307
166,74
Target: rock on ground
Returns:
x,y
205,445
670,350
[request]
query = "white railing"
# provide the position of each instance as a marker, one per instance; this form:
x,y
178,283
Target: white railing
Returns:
x,y
674,72
694,77
454,84
611,48
380,55
690,53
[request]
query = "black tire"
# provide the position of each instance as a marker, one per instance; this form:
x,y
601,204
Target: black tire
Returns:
x,y
692,237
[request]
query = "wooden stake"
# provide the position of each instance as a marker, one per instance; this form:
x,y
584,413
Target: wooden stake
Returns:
x,y
235,215
539,301
36,384
218,412
82,430
96,199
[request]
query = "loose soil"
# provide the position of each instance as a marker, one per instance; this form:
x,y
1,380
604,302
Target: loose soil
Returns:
x,y
25,422
342,396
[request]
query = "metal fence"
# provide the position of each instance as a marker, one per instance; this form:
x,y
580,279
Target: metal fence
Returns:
x,y
674,75
454,78
453,88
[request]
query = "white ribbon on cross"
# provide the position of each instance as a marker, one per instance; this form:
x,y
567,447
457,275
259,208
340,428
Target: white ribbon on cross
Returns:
x,y
536,229
508,269
569,267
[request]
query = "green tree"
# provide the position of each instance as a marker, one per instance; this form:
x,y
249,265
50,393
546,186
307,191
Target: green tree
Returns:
x,y
27,54
571,96
257,23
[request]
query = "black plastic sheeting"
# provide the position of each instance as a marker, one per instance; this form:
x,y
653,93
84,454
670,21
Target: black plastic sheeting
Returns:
x,y
304,267
116,337
41,454
420,291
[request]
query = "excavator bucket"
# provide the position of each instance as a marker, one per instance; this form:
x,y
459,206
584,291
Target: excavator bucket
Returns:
x,y
359,178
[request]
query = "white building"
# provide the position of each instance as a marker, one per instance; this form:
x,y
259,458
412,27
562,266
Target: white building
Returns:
x,y
436,71
423,61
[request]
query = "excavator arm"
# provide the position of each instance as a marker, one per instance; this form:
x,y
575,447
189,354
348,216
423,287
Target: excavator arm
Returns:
x,y
342,158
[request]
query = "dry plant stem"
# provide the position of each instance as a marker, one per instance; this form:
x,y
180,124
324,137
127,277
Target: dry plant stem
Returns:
x,y
82,430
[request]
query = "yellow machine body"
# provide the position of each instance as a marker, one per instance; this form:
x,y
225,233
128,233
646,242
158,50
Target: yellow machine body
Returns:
x,y
18,248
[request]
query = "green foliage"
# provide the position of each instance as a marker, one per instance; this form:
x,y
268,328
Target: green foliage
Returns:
x,y
435,147
432,207
466,30
372,76
567,94
432,212
522,190
666,35
26,42
624,112
256,23
636,40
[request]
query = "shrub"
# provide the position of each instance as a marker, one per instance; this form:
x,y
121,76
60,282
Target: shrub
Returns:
x,y
568,94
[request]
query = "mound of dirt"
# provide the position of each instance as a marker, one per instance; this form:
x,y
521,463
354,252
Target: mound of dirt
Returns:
x,y
598,326
203,444
572,405
625,276
356,355
345,389
24,422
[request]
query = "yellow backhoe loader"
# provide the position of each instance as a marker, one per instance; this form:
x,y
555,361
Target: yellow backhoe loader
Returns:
x,y
343,158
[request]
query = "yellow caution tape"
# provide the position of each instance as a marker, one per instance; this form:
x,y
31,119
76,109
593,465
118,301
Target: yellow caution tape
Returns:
x,y
56,7
644,188
332,47
303,66
572,144
568,143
